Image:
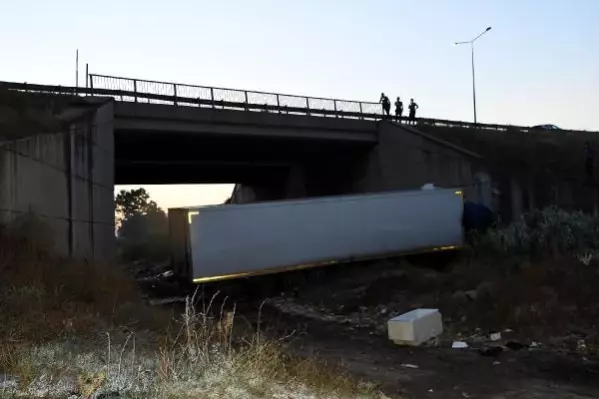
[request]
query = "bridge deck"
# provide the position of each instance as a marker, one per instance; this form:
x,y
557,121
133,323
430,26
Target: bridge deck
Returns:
x,y
182,95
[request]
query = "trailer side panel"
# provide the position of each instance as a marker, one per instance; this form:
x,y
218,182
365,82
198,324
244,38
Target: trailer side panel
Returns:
x,y
233,240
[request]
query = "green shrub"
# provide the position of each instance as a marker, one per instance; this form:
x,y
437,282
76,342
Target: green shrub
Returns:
x,y
540,232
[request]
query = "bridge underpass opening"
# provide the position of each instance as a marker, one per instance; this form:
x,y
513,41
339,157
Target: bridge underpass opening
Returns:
x,y
271,166
184,195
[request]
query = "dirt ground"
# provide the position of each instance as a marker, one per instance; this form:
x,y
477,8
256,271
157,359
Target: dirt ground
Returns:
x,y
546,314
442,372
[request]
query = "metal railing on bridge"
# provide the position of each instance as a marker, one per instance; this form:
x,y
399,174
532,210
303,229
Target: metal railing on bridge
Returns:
x,y
176,94
215,97
155,92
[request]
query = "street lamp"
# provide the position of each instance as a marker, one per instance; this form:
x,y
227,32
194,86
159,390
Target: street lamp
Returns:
x,y
471,43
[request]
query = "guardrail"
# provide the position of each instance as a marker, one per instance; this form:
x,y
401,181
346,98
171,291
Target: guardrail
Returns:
x,y
154,92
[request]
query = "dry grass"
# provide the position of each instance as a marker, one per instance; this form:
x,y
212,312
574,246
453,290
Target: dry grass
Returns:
x,y
71,328
43,297
544,299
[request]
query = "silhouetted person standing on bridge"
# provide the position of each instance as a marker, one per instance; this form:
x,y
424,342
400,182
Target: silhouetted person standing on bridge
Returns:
x,y
413,107
398,110
386,104
589,162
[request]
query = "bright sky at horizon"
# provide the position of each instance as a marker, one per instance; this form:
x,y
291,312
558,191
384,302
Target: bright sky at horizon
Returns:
x,y
539,64
184,195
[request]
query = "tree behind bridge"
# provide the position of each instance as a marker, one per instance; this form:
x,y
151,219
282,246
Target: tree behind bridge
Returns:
x,y
142,226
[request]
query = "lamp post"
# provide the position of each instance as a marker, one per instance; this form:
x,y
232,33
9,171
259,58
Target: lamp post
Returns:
x,y
471,43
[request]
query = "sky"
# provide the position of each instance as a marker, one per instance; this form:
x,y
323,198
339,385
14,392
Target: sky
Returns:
x,y
539,63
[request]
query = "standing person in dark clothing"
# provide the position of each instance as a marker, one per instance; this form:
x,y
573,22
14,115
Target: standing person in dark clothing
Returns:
x,y
398,110
386,104
413,107
589,163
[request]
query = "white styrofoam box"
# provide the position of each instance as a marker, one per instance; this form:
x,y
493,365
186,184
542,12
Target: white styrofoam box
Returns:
x,y
415,327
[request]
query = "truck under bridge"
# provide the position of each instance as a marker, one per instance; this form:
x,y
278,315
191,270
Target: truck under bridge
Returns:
x,y
275,146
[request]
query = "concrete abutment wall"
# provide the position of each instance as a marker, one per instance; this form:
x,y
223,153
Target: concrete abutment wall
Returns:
x,y
66,179
403,159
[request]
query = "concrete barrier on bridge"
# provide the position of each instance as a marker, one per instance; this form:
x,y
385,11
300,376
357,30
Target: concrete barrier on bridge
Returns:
x,y
66,179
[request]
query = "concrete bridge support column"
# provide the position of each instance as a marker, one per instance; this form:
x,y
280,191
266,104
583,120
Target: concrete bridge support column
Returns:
x,y
517,206
245,194
66,180
296,183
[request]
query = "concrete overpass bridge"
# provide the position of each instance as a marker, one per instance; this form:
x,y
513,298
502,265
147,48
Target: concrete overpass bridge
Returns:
x,y
132,131
167,133
162,144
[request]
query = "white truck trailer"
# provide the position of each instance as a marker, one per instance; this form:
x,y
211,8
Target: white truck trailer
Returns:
x,y
231,241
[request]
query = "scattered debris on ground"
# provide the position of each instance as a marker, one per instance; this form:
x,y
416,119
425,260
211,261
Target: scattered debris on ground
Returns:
x,y
513,328
505,333
531,322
